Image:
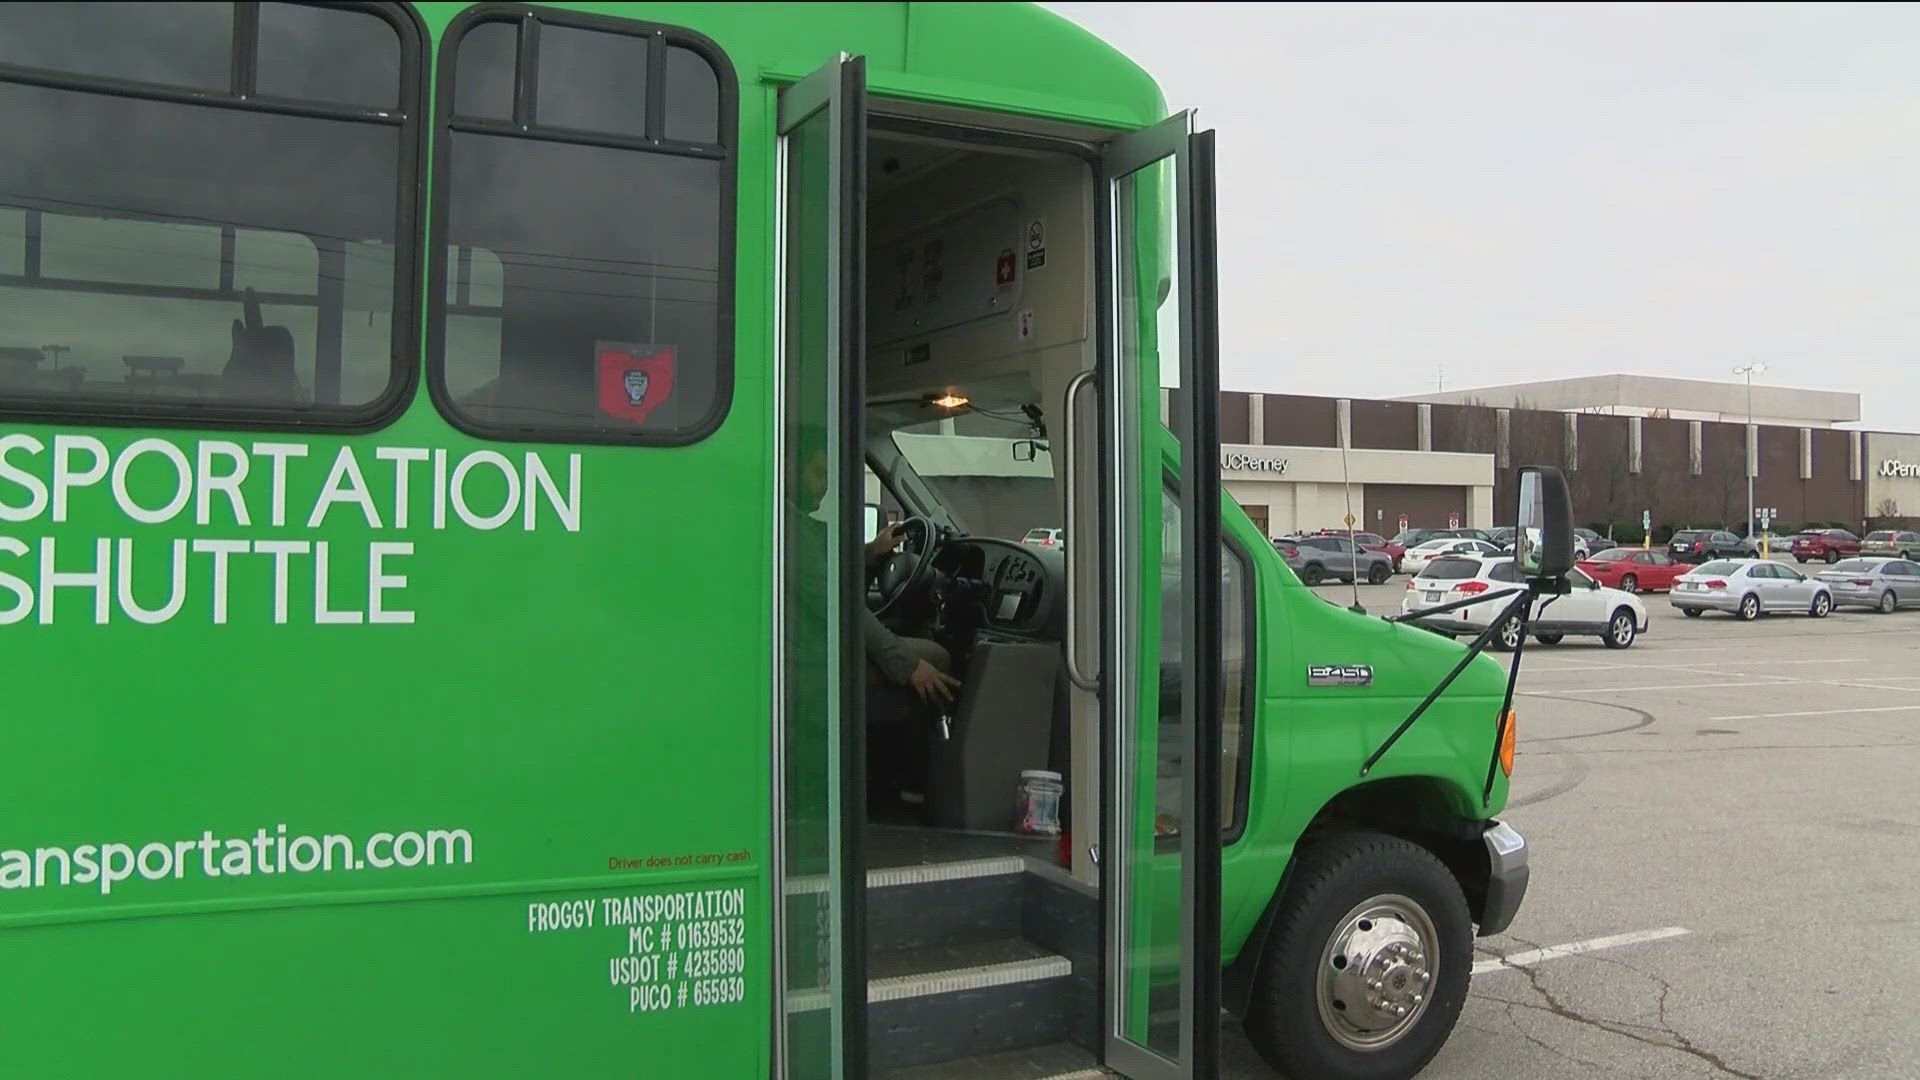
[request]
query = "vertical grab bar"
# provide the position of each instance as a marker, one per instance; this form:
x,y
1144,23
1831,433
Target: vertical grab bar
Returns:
x,y
1076,537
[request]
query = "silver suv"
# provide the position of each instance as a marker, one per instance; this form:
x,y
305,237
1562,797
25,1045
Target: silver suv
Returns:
x,y
1316,558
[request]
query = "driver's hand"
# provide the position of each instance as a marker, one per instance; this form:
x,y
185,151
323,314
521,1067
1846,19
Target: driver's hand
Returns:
x,y
882,545
934,686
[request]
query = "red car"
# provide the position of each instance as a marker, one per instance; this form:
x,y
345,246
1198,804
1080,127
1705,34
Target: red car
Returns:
x,y
1827,545
1632,570
1372,542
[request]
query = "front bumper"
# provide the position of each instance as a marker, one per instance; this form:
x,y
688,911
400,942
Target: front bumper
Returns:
x,y
1506,877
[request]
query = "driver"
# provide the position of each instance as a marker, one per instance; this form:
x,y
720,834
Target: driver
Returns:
x,y
892,660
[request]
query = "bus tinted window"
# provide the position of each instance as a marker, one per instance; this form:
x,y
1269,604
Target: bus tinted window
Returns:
x,y
595,268
194,260
692,99
186,45
328,54
484,86
592,80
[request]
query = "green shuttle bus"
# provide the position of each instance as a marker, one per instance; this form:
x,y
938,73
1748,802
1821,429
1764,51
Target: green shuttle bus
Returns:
x,y
448,625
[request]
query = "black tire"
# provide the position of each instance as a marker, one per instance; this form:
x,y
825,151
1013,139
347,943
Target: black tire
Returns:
x,y
1749,607
1621,629
1800,558
1832,557
1507,638
1907,555
1630,583
1889,603
1549,639
1333,881
1378,573
1692,612
1822,605
1314,574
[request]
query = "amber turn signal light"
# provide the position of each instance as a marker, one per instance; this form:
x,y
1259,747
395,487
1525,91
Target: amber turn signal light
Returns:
x,y
1506,744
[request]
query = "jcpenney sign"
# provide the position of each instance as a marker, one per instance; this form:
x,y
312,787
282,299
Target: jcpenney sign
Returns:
x,y
1896,467
1252,463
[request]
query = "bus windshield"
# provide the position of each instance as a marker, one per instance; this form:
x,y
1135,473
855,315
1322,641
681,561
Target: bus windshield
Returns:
x,y
970,463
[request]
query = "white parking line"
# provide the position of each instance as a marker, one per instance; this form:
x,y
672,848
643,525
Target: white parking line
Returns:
x,y
1818,712
1515,961
1658,686
1594,665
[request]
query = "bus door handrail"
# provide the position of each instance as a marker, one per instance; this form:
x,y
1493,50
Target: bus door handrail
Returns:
x,y
1070,431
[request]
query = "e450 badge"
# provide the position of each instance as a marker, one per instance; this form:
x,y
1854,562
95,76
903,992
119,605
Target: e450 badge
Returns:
x,y
1339,675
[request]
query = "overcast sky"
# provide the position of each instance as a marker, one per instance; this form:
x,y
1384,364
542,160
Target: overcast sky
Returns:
x,y
1529,191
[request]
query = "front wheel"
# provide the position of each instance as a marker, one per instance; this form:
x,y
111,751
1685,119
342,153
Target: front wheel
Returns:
x,y
1368,965
1621,629
1822,605
1378,573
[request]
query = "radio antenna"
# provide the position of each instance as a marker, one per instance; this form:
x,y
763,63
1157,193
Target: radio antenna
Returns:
x,y
1353,534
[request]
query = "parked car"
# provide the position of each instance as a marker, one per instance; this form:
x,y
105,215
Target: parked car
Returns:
x,y
1372,542
1590,610
1045,538
1407,539
1827,545
1416,559
1502,537
1888,542
1748,588
1633,570
1880,584
1317,558
1586,543
1703,545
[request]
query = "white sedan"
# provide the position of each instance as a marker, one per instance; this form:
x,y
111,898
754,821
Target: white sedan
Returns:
x,y
1747,588
1417,557
1590,610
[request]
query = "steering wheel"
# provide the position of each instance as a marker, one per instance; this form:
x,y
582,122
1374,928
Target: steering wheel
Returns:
x,y
910,568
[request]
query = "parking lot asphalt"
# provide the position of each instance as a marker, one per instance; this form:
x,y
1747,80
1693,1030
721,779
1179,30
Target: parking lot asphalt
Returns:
x,y
1745,799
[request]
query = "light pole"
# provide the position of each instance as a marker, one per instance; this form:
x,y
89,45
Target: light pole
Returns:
x,y
1747,455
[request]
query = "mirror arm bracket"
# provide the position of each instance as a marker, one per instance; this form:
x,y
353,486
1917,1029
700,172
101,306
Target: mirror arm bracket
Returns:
x,y
1520,605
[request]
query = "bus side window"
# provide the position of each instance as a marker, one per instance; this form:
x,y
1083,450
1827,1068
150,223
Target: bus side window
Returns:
x,y
193,259
588,279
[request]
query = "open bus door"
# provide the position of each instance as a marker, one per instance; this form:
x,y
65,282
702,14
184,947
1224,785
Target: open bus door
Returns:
x,y
819,979
1162,818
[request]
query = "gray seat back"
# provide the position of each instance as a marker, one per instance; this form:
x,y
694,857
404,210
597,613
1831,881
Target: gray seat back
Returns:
x,y
1002,724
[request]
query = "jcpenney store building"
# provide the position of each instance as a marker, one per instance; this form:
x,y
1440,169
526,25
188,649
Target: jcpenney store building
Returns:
x,y
1297,464
1290,489
1893,476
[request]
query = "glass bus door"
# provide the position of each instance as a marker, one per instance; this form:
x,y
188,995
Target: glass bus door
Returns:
x,y
1162,819
819,992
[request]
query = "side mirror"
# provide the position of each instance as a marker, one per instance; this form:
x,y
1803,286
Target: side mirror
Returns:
x,y
1543,534
872,522
1028,449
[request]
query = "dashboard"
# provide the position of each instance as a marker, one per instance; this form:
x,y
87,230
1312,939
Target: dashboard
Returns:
x,y
1018,590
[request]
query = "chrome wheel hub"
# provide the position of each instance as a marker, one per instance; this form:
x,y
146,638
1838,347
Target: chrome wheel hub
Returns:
x,y
1377,973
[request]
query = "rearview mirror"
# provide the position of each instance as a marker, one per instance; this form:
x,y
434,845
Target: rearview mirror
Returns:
x,y
1028,449
1543,534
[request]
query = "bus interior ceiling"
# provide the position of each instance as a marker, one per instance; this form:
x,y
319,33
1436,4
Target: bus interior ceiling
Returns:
x,y
980,275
